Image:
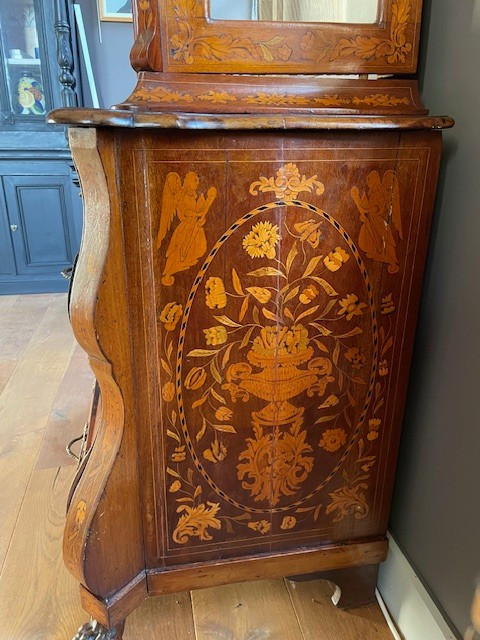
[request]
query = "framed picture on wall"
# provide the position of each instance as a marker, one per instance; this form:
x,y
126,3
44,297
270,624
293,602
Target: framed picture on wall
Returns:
x,y
115,10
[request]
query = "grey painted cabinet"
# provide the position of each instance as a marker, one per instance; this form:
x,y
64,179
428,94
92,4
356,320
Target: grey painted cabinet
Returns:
x,y
38,230
40,206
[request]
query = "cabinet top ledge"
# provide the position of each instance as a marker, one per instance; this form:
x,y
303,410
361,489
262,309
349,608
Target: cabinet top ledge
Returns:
x,y
136,119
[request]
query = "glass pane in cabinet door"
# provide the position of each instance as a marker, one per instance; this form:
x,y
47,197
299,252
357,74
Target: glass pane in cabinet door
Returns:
x,y
346,11
21,54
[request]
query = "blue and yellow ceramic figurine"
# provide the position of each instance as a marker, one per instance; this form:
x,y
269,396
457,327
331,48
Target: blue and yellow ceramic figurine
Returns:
x,y
31,97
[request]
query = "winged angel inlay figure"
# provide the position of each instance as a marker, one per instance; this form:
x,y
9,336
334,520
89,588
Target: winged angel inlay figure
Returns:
x,y
188,243
379,208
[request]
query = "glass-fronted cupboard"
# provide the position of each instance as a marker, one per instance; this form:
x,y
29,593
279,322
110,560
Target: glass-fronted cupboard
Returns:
x,y
40,209
25,94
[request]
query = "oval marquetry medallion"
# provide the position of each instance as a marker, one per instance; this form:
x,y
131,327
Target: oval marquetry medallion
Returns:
x,y
276,356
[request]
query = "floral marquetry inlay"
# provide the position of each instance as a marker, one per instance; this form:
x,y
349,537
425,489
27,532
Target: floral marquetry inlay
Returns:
x,y
194,40
166,95
287,184
273,370
395,49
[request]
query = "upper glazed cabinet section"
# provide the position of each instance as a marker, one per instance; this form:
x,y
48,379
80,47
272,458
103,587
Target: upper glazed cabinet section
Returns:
x,y
277,36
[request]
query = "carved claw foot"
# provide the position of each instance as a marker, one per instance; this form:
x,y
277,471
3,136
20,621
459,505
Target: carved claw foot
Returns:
x,y
93,630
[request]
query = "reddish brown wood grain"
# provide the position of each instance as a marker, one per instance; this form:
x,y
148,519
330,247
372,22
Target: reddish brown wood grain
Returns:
x,y
220,93
262,568
192,121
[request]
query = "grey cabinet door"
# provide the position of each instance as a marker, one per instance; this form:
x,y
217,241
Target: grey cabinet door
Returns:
x,y
40,222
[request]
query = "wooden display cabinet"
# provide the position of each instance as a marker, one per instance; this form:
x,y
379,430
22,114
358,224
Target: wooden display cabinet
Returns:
x,y
247,293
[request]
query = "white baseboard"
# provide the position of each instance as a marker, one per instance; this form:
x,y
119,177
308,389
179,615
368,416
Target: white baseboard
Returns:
x,y
413,610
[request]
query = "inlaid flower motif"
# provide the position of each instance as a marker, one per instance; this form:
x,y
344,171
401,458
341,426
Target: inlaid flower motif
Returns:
x,y
288,522
215,296
387,305
399,53
262,240
196,521
331,401
274,464
383,368
336,259
218,97
269,340
367,466
144,5
288,182
309,231
179,455
223,414
308,295
350,306
175,486
297,339
262,526
356,358
216,453
285,52
195,379
333,439
280,341
215,335
81,512
373,425
180,48
170,316
308,41
168,391
349,501
261,294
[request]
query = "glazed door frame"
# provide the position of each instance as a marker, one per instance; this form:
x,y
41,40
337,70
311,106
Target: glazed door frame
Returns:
x,y
192,42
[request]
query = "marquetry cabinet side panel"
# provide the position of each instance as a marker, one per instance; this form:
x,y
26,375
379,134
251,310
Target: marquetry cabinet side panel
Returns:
x,y
103,544
430,143
137,211
344,176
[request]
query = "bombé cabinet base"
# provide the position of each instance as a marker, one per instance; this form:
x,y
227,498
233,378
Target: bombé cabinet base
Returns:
x,y
247,289
352,568
128,534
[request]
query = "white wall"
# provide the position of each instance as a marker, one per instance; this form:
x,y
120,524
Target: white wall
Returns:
x,y
114,76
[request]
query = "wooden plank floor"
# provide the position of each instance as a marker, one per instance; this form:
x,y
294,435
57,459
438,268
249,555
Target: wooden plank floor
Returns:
x,y
45,386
